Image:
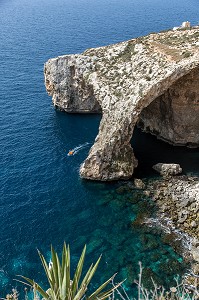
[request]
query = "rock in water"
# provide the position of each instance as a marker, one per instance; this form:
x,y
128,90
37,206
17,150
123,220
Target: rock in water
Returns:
x,y
151,81
167,169
139,184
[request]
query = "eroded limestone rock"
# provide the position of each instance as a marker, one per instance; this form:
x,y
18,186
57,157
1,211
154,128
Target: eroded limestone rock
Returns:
x,y
121,81
178,198
195,253
167,169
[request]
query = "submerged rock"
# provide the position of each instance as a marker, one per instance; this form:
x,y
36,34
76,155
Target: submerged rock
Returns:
x,y
139,184
151,81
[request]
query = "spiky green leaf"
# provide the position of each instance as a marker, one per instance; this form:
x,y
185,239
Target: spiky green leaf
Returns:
x,y
106,294
100,288
54,269
46,268
92,272
78,272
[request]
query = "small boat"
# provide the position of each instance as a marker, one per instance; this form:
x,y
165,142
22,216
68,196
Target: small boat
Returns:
x,y
77,149
71,152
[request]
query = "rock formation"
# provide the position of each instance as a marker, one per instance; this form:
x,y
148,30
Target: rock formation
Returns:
x,y
151,81
177,198
167,169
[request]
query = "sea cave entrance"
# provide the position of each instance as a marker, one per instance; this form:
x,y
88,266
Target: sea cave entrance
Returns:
x,y
149,150
169,121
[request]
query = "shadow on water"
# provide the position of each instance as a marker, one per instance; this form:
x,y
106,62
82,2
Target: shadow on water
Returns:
x,y
149,151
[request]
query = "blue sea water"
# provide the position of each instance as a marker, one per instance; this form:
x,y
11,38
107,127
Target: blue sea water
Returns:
x,y
43,200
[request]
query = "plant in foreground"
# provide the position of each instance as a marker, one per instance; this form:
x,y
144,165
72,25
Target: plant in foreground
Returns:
x,y
61,286
179,292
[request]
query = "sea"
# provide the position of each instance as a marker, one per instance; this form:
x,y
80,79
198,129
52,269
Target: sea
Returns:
x,y
43,200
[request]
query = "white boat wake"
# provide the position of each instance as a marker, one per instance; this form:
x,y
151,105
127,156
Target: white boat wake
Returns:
x,y
77,149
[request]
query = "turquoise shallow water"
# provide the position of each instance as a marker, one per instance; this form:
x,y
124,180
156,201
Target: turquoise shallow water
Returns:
x,y
43,200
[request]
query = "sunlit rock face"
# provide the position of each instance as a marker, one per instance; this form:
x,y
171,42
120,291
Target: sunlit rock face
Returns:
x,y
66,84
150,80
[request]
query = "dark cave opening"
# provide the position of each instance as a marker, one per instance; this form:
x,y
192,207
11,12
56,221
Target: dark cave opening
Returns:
x,y
149,150
167,130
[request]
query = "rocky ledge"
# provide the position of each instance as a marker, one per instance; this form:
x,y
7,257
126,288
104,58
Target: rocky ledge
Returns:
x,y
178,201
150,81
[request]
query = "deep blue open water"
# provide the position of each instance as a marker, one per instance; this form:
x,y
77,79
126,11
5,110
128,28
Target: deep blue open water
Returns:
x,y
42,198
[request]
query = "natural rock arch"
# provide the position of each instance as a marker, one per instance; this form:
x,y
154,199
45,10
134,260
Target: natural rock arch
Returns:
x,y
121,81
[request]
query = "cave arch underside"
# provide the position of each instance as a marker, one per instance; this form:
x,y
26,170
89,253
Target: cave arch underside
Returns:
x,y
174,116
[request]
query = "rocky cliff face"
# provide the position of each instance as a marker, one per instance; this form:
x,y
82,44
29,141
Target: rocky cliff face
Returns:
x,y
152,80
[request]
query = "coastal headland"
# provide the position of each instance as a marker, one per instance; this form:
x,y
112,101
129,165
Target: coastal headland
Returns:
x,y
150,81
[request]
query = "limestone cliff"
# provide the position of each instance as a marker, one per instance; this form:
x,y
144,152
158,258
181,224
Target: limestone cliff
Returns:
x,y
152,81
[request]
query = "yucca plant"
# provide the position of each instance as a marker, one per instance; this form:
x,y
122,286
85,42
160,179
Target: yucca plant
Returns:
x,y
61,286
